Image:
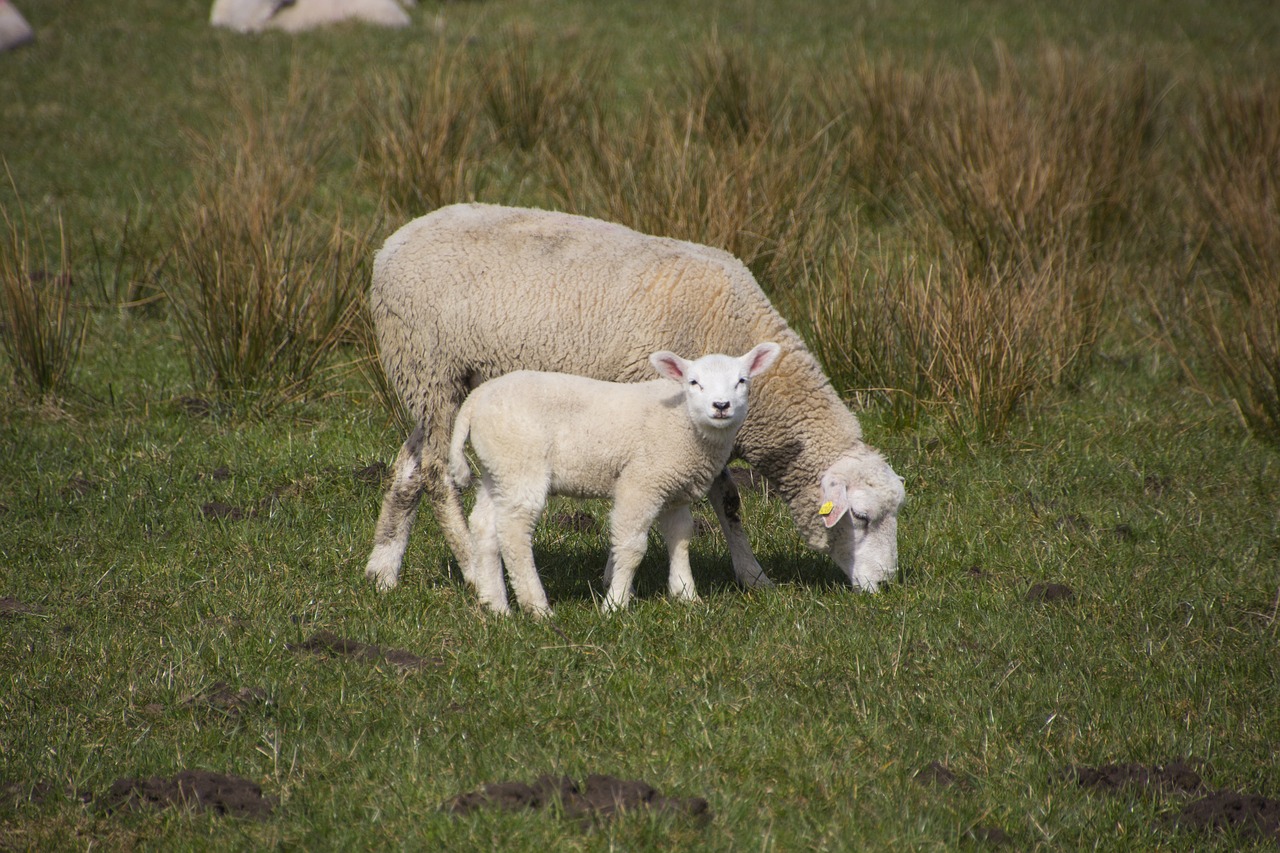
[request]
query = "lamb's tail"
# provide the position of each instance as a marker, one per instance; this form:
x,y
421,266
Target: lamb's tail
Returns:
x,y
459,470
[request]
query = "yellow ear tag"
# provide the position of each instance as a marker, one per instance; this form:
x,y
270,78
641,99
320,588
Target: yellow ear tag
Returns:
x,y
826,508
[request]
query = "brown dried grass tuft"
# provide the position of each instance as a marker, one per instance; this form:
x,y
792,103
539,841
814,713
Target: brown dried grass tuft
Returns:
x,y
532,100
41,326
1231,314
423,136
265,291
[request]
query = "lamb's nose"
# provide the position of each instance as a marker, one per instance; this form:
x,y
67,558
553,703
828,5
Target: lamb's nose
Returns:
x,y
721,405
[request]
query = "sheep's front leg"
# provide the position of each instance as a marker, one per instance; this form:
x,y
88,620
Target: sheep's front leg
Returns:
x,y
677,530
515,539
399,508
728,508
485,570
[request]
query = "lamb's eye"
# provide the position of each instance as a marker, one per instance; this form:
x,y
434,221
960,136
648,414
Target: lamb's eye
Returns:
x,y
863,517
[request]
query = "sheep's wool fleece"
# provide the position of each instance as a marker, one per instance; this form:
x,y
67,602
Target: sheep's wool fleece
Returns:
x,y
473,291
250,16
14,29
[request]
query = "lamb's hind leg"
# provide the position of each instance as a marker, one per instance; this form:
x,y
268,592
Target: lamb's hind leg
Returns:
x,y
486,566
516,507
399,508
728,508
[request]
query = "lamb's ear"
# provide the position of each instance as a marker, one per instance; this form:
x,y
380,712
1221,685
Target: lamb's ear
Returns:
x,y
670,365
761,358
835,503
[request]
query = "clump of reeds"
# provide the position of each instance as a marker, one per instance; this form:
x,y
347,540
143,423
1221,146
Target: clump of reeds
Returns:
x,y
931,335
531,100
264,290
423,135
1232,325
41,326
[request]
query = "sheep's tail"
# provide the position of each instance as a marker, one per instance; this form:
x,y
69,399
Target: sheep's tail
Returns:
x,y
459,470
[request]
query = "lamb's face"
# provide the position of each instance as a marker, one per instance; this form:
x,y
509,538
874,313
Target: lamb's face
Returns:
x,y
716,386
859,500
715,392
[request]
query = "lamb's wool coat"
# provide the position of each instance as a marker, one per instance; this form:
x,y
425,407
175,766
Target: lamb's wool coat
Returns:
x,y
652,447
472,291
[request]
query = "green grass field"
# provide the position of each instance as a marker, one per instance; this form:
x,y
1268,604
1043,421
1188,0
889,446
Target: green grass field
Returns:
x,y
163,547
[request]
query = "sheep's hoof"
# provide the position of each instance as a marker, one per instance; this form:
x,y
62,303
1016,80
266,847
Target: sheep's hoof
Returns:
x,y
756,580
383,568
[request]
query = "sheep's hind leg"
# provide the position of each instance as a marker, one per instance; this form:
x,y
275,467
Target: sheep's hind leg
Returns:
x,y
728,508
399,508
486,561
677,530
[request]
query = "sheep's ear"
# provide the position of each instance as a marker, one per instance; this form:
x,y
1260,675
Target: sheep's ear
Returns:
x,y
835,503
761,358
670,365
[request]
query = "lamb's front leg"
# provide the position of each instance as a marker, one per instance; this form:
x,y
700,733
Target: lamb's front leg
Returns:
x,y
629,537
677,530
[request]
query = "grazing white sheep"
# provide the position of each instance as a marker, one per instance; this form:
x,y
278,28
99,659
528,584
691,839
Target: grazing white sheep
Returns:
x,y
294,16
14,29
472,291
652,447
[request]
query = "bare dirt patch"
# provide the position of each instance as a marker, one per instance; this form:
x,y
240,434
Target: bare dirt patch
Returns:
x,y
373,474
935,774
10,606
329,643
1050,593
1248,814
599,797
199,790
1179,776
225,699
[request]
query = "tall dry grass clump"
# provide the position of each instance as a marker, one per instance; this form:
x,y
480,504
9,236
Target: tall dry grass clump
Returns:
x,y
931,336
423,137
1020,169
531,100
769,205
735,163
1013,201
1232,313
265,290
41,326
737,93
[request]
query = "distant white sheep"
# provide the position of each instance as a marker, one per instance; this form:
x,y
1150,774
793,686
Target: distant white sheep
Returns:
x,y
293,16
652,447
14,29
472,291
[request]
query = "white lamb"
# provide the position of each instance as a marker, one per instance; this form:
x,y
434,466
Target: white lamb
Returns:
x,y
473,291
653,447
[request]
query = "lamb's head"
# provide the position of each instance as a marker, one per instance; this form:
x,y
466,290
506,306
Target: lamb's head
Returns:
x,y
716,386
855,517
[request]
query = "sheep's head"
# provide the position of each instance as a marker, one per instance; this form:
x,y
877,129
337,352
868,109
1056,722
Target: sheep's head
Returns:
x,y
716,386
857,518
